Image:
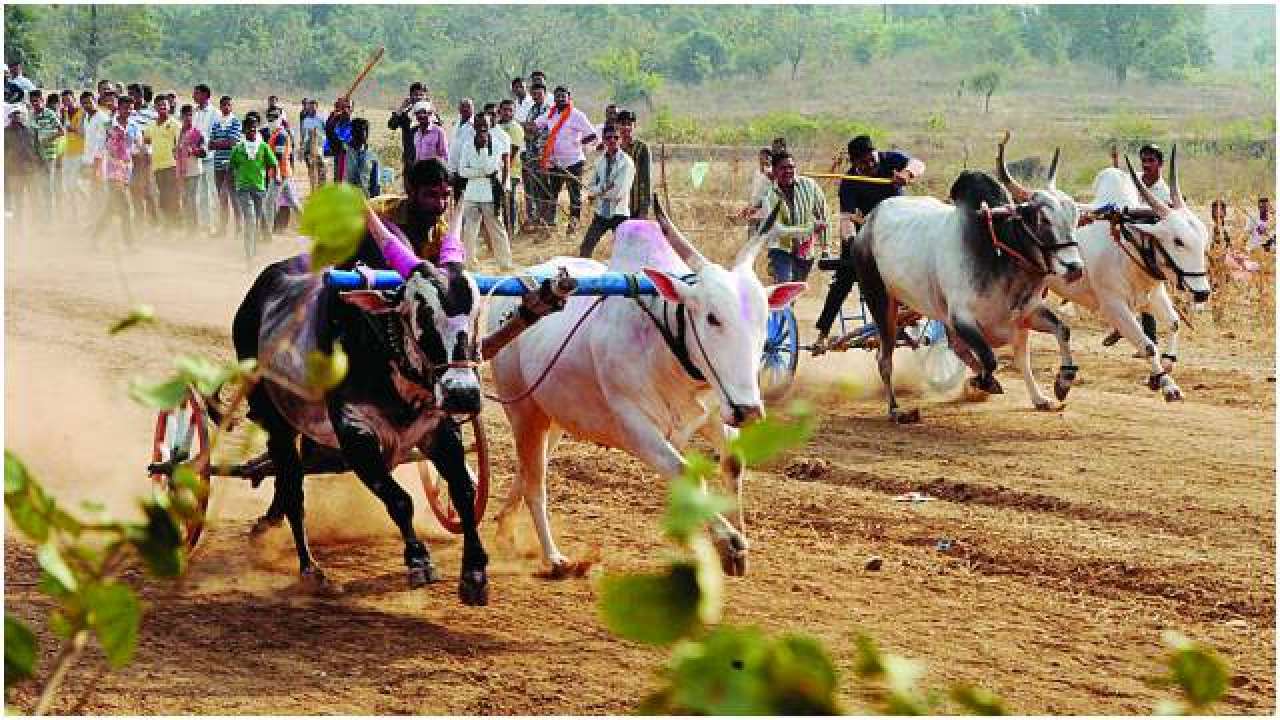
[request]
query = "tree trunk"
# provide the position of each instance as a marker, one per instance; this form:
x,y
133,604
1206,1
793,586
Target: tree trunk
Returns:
x,y
986,107
795,64
93,46
1122,74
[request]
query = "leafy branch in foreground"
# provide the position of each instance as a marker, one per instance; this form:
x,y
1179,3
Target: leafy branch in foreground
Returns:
x,y
729,670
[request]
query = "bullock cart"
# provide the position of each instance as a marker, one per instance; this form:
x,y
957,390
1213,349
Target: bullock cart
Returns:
x,y
184,434
943,370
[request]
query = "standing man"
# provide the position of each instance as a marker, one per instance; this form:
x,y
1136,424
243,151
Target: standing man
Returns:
x,y
311,126
280,191
480,163
857,200
535,182
17,78
514,131
223,136
403,120
428,138
337,134
611,184
638,151
247,165
123,143
461,135
189,158
47,128
202,117
568,130
521,99
798,202
72,115
21,165
161,140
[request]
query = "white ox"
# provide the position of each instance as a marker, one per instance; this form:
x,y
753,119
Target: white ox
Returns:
x,y
620,383
1120,283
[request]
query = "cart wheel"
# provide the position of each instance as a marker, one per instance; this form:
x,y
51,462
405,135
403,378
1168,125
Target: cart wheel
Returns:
x,y
781,354
437,492
182,435
943,369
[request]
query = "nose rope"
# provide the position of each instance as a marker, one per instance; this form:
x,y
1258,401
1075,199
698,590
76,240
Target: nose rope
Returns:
x,y
737,409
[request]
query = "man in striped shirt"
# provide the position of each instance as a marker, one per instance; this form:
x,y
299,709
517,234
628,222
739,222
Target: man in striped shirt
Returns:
x,y
224,134
799,202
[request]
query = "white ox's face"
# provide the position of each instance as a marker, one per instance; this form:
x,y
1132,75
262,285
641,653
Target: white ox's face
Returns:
x,y
1056,217
440,310
1185,238
726,311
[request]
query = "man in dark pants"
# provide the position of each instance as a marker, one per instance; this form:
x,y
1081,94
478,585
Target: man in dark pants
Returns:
x,y
568,131
403,120
857,199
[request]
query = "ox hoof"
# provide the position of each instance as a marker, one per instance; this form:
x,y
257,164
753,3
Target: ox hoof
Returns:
x,y
1063,381
314,581
424,574
733,551
1172,394
473,588
734,564
905,417
987,384
262,525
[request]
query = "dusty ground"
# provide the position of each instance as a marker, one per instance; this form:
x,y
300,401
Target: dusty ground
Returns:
x,y
1077,536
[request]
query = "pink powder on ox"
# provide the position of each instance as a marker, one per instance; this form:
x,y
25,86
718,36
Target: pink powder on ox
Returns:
x,y
744,297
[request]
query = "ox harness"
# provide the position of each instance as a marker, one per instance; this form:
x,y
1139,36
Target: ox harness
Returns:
x,y
1148,251
1046,251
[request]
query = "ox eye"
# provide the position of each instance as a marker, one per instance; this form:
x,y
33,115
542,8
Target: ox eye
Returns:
x,y
713,320
1178,241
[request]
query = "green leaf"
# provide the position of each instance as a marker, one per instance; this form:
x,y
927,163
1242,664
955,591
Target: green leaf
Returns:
x,y
1197,670
51,562
326,371
764,440
870,661
710,577
978,701
207,375
652,609
15,474
136,316
92,506
160,541
115,615
698,173
164,395
60,625
333,217
19,651
723,675
52,586
802,677
690,508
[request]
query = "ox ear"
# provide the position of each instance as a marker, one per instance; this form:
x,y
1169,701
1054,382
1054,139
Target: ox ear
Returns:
x,y
782,294
669,287
374,302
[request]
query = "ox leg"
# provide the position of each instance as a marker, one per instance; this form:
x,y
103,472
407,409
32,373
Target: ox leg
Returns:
x,y
289,496
1162,306
1044,320
363,453
972,336
1123,319
533,436
1022,361
450,458
731,540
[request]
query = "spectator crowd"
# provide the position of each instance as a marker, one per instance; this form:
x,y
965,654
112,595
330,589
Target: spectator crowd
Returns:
x,y
125,159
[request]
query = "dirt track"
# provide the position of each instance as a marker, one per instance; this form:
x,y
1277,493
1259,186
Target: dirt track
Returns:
x,y
1077,536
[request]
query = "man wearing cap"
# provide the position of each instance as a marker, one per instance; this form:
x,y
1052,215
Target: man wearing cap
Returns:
x,y
568,131
403,120
857,199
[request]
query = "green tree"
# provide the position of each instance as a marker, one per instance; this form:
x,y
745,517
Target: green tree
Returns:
x,y
21,39
103,30
623,73
697,56
1122,37
986,83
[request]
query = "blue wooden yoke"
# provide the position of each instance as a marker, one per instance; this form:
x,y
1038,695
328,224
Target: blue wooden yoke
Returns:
x,y
607,284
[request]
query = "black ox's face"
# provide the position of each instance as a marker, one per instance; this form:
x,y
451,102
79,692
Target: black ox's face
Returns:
x,y
438,311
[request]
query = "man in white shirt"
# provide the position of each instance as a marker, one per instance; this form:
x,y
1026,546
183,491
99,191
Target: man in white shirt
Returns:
x,y
461,134
568,131
480,164
523,102
611,186
17,78
202,119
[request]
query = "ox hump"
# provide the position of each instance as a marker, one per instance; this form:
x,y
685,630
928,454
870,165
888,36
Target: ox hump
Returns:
x,y
638,244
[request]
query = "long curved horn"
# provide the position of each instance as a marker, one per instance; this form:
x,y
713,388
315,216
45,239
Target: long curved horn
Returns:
x,y
1053,168
1150,199
746,256
687,252
1175,191
1019,193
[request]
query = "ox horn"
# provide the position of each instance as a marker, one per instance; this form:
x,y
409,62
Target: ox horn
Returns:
x,y
1019,193
1053,169
747,255
687,252
1175,191
1148,197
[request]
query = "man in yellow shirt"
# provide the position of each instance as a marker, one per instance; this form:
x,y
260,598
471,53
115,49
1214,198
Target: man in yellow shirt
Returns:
x,y
506,121
161,138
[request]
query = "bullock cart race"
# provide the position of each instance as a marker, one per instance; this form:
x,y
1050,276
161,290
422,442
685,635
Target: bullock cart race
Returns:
x,y
707,403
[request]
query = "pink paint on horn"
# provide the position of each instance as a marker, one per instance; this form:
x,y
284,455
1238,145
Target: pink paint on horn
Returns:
x,y
400,257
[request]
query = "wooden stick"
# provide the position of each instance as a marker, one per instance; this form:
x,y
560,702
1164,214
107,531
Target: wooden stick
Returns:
x,y
662,169
364,73
858,178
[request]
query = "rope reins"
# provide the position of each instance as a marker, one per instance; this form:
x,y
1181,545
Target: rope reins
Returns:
x,y
1018,258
